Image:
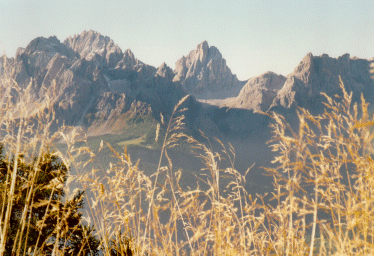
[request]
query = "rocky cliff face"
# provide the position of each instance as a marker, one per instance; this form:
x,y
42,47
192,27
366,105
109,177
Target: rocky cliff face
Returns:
x,y
317,74
95,84
111,111
41,60
99,87
204,74
303,87
258,93
94,46
90,74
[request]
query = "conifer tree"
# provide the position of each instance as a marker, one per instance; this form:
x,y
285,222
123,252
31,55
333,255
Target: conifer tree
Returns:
x,y
52,220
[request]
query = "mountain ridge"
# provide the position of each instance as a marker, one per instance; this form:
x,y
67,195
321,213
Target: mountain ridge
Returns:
x,y
107,91
97,84
95,78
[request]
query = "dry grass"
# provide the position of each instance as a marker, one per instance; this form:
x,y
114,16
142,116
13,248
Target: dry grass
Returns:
x,y
36,218
322,198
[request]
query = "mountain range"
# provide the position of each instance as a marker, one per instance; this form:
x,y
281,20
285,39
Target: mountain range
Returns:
x,y
104,90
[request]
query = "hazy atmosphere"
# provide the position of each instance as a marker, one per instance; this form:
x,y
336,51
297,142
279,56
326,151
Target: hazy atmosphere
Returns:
x,y
186,128
253,36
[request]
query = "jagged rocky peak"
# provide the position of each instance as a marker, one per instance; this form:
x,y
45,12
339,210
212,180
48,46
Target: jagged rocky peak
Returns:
x,y
317,74
40,51
165,71
34,60
90,44
324,65
128,60
202,51
204,74
305,64
128,53
50,45
130,64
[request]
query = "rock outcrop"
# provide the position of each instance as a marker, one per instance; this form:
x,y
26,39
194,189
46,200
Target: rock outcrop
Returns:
x,y
99,87
258,93
41,57
95,85
205,75
303,87
94,46
111,111
320,74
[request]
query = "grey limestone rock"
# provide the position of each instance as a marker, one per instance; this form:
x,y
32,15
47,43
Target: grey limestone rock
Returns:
x,y
204,74
320,74
258,93
90,44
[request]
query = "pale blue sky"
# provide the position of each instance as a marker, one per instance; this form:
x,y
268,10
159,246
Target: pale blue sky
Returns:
x,y
253,36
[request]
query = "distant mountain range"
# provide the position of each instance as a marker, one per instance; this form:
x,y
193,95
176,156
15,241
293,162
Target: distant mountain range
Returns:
x,y
102,88
303,87
98,86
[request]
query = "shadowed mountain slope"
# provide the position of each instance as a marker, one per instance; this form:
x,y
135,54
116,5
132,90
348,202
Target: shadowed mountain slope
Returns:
x,y
96,85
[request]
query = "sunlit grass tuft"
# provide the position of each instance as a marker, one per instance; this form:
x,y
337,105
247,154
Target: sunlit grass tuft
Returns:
x,y
322,201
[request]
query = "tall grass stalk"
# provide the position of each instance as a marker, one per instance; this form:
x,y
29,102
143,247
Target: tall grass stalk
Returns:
x,y
28,174
322,198
322,202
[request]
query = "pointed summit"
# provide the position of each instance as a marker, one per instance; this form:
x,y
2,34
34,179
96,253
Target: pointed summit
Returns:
x,y
91,44
321,74
203,44
49,45
165,71
204,74
128,61
309,56
35,58
129,53
202,50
